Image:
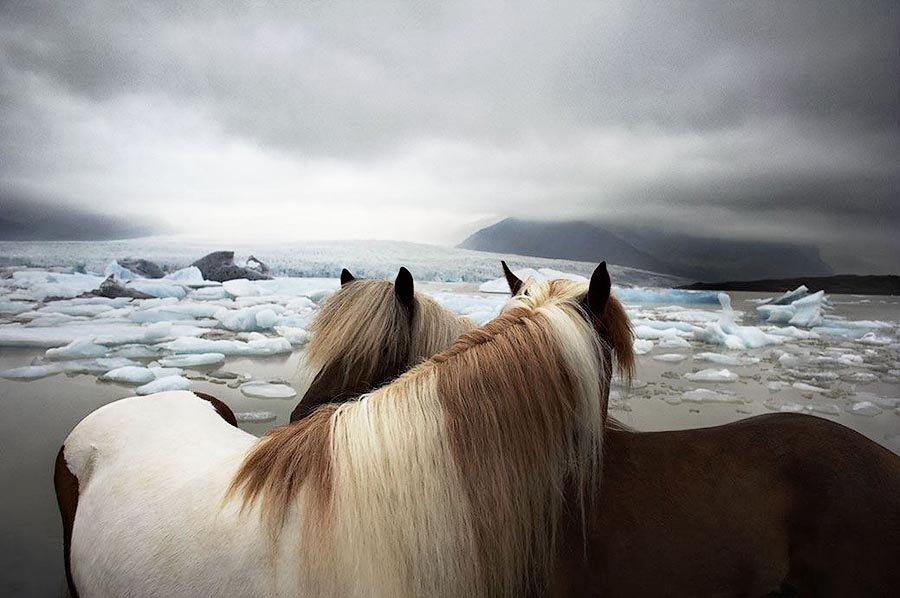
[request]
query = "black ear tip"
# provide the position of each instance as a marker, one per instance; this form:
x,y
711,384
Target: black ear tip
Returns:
x,y
403,286
346,276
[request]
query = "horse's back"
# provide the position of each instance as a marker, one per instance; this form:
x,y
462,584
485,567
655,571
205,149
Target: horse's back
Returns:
x,y
773,503
151,517
845,520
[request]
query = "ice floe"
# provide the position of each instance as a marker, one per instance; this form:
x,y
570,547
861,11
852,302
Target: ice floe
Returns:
x,y
192,360
266,390
30,372
670,357
723,359
254,417
712,375
268,346
134,375
163,384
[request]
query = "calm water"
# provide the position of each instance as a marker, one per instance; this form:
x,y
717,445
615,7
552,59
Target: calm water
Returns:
x,y
35,417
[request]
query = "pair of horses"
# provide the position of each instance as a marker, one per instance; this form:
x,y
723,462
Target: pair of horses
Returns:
x,y
489,469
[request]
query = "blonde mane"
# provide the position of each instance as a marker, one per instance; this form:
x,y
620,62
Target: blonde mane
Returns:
x,y
362,327
450,480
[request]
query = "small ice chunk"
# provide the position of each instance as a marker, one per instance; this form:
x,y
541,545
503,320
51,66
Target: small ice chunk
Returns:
x,y
723,359
712,375
863,377
134,375
704,395
95,366
789,361
158,287
263,346
163,384
296,336
84,348
212,293
192,360
866,408
826,409
791,296
670,357
642,346
120,272
255,417
30,372
783,406
673,342
804,387
850,359
161,372
190,275
13,308
266,390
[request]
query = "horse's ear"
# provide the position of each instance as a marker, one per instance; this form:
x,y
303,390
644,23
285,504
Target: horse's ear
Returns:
x,y
598,291
403,287
515,284
346,276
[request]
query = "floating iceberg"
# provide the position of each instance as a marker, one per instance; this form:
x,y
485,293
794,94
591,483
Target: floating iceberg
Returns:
x,y
119,272
805,312
791,296
727,332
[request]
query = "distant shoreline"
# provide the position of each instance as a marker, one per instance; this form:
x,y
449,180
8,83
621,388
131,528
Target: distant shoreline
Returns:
x,y
848,284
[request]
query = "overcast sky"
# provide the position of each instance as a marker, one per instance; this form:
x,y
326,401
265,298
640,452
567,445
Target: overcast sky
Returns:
x,y
421,122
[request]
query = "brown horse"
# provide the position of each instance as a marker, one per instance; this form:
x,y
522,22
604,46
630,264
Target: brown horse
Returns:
x,y
368,333
778,504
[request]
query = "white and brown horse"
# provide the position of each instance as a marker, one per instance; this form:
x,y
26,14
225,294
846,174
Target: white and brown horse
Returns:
x,y
456,479
368,333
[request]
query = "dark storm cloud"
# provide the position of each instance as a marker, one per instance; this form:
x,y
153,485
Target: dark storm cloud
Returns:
x,y
778,119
